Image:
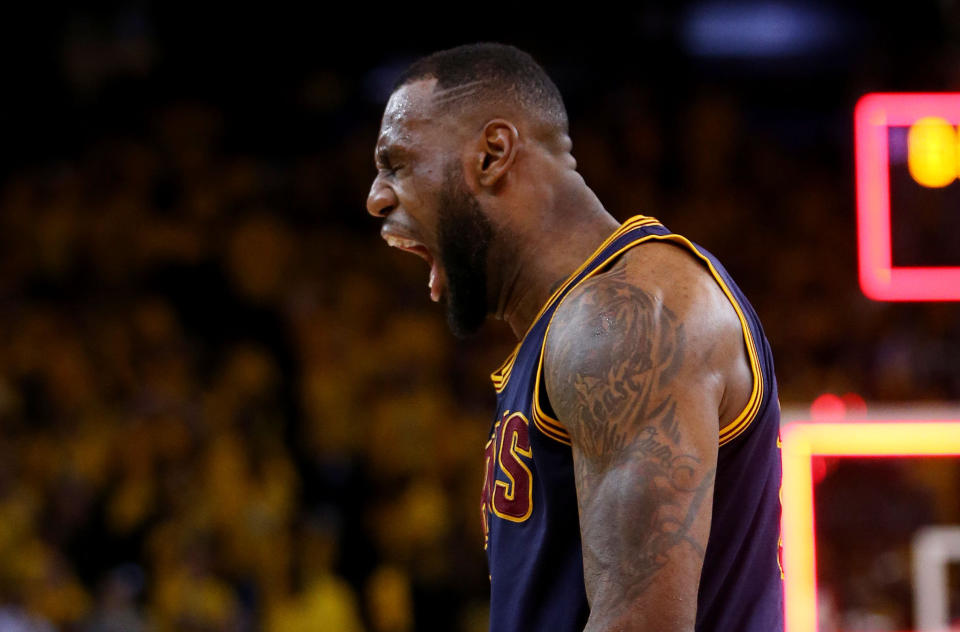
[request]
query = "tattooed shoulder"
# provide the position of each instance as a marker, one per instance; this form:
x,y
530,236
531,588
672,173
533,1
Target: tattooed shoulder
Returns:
x,y
612,347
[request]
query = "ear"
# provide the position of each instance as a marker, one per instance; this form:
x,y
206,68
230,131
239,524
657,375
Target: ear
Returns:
x,y
499,144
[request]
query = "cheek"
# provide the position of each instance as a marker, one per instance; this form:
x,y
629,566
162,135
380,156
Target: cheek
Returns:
x,y
422,195
413,188
413,184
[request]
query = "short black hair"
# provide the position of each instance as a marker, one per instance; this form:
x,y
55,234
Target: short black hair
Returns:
x,y
508,73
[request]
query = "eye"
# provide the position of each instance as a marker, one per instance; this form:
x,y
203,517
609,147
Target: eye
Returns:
x,y
390,170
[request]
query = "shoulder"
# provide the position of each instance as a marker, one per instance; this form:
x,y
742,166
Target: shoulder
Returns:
x,y
654,293
657,316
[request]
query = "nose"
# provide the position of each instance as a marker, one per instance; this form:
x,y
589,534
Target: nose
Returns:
x,y
381,199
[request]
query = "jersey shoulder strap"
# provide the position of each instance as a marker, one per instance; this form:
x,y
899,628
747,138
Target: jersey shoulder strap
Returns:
x,y
626,233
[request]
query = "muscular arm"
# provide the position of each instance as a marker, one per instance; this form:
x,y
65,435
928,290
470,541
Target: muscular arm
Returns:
x,y
631,380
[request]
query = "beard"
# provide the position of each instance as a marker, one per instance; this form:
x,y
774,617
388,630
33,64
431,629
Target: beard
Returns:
x,y
464,236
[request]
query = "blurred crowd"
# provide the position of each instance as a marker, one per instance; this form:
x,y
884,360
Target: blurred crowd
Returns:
x,y
226,405
217,417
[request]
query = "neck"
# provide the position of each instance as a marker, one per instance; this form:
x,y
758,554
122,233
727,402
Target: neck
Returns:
x,y
548,252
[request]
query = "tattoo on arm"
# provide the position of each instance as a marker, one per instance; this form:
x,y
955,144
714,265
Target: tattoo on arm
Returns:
x,y
643,487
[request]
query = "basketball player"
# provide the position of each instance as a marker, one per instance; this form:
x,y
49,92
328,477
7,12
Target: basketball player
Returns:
x,y
632,471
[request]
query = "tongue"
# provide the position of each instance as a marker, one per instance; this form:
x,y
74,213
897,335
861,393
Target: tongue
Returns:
x,y
436,283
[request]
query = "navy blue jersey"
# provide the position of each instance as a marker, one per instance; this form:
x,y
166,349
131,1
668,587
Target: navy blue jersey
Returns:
x,y
529,504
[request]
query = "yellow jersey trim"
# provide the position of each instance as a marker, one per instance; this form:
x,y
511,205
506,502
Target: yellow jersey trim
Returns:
x,y
483,501
551,430
743,420
502,374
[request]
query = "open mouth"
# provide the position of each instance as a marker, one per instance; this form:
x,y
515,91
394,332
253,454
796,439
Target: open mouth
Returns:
x,y
435,283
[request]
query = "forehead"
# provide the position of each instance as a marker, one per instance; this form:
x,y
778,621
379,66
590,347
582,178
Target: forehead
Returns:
x,y
408,112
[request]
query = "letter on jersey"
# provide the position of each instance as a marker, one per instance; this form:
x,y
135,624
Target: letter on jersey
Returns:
x,y
507,480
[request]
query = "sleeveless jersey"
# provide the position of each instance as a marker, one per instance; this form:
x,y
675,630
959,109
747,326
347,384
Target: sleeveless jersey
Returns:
x,y
529,505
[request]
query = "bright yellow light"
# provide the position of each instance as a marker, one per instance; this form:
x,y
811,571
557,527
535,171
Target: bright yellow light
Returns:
x,y
799,549
802,440
933,153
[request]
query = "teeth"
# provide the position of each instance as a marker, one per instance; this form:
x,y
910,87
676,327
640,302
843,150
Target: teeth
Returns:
x,y
399,242
434,291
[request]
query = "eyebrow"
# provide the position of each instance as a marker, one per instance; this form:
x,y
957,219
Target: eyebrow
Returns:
x,y
383,156
386,154
389,154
